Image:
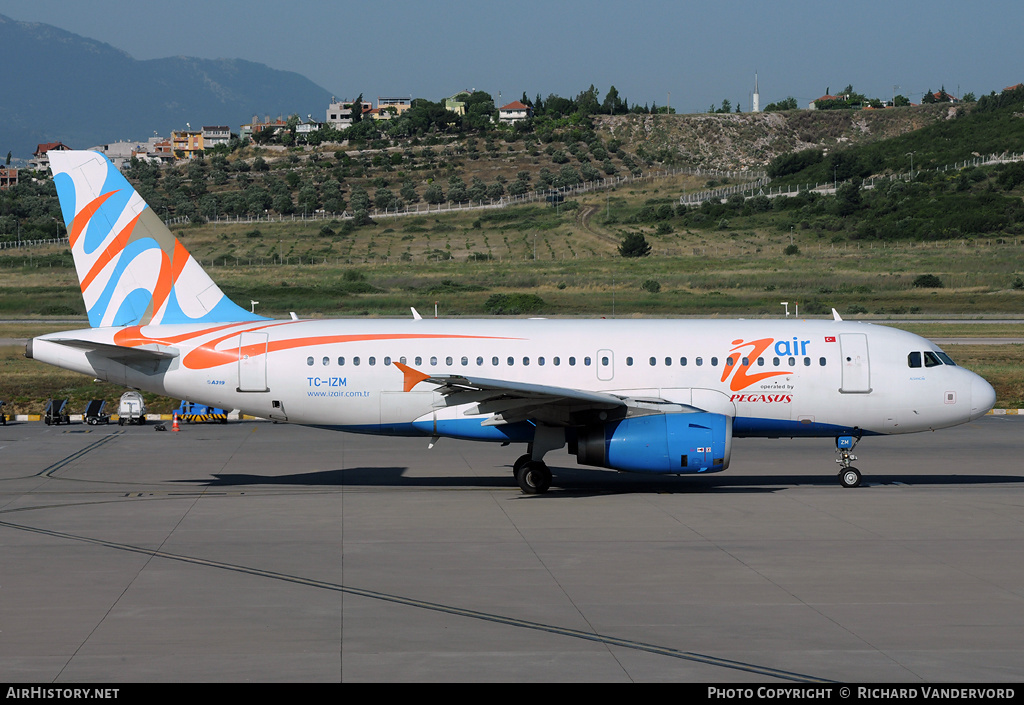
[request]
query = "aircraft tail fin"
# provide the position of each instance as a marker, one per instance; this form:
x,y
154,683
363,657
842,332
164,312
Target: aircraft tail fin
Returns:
x,y
131,268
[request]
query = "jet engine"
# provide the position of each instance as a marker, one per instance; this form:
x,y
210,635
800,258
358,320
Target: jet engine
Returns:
x,y
658,443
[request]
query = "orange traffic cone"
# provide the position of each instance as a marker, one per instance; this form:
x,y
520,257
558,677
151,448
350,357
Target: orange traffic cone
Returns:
x,y
174,426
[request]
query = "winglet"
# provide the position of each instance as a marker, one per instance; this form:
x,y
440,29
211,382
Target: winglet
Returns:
x,y
416,314
835,315
412,377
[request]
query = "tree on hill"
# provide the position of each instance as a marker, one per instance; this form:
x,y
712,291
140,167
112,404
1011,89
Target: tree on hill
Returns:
x,y
634,245
788,104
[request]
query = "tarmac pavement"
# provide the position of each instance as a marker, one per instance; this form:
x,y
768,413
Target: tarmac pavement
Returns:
x,y
255,551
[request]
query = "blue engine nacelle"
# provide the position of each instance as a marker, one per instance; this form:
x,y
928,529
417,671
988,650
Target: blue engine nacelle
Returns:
x,y
663,443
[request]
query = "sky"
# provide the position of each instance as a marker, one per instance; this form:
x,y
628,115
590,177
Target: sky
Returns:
x,y
688,54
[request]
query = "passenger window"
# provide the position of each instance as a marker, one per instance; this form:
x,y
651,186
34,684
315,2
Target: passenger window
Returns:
x,y
419,360
604,362
792,362
931,360
653,362
494,361
586,362
700,361
355,361
402,359
309,361
682,361
326,361
540,360
714,362
760,362
807,362
914,359
821,361
729,362
373,361
572,362
746,362
511,361
448,361
629,362
775,361
668,361
387,360
556,361
341,362
479,362
526,362
433,360
465,360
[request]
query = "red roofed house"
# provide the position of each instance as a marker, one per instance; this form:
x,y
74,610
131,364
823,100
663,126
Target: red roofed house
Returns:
x,y
514,112
813,103
41,161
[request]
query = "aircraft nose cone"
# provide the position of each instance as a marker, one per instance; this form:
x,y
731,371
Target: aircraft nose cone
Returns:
x,y
983,397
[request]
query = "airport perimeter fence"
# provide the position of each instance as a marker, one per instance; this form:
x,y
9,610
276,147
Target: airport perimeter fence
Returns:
x,y
749,189
551,195
15,244
757,188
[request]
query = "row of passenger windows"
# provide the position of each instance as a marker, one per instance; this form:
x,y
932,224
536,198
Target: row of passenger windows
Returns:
x,y
604,361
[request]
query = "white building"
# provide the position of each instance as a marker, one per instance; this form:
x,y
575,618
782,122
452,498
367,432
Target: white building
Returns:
x,y
513,113
214,135
339,114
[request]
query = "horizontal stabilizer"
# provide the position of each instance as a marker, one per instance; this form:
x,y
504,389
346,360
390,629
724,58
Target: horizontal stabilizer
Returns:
x,y
118,352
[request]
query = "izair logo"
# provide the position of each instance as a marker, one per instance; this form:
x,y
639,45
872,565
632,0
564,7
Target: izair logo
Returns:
x,y
746,352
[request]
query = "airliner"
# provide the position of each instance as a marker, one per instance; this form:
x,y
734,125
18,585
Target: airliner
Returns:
x,y
644,396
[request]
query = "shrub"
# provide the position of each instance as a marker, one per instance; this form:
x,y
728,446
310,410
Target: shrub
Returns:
x,y
513,304
634,245
792,250
651,285
927,281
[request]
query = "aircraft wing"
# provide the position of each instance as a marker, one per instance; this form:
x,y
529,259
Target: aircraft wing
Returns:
x,y
510,402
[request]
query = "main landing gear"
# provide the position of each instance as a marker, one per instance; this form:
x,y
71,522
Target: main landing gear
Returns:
x,y
533,476
849,476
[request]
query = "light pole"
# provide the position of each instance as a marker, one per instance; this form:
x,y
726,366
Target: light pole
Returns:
x,y
911,155
786,304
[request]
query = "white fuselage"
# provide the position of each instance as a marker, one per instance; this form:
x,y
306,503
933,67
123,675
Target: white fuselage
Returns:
x,y
775,377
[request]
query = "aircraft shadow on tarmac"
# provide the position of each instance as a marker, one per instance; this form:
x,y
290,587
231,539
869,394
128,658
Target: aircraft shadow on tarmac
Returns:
x,y
588,481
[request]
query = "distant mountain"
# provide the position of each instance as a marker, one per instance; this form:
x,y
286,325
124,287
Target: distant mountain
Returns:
x,y
59,86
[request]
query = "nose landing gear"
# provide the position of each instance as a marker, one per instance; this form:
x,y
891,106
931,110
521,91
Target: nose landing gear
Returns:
x,y
849,476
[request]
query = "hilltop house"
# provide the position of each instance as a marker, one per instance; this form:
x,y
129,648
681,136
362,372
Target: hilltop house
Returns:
x,y
40,160
187,144
514,112
8,177
394,106
214,135
339,113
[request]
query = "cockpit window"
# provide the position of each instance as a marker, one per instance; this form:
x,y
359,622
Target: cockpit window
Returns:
x,y
930,358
